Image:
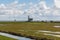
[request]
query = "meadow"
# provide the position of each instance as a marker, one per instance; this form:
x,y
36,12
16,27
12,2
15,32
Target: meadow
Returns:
x,y
6,38
31,28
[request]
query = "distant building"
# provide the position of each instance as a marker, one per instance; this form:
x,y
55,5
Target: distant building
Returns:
x,y
29,19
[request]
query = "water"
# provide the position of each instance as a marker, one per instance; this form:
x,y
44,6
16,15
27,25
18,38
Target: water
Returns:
x,y
15,37
57,26
50,33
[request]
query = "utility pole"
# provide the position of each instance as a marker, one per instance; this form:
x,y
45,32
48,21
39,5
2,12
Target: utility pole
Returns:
x,y
14,16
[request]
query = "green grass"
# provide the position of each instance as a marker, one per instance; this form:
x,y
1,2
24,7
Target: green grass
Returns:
x,y
5,38
29,28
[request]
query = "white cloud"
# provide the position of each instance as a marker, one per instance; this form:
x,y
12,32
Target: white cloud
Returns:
x,y
30,3
56,12
2,6
43,5
57,3
16,9
21,6
33,8
12,5
11,9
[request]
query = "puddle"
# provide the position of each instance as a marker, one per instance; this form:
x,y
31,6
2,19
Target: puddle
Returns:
x,y
57,26
52,35
48,32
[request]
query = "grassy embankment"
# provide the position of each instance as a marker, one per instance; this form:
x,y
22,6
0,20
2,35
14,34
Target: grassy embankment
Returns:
x,y
5,38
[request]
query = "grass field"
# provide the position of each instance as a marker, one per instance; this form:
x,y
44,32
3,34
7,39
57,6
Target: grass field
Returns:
x,y
30,28
5,38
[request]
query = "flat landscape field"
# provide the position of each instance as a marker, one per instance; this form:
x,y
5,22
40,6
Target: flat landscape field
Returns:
x,y
37,29
5,38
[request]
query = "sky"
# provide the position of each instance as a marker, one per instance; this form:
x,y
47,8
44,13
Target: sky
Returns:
x,y
36,9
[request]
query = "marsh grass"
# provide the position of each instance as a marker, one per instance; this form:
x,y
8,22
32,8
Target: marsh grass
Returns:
x,y
30,28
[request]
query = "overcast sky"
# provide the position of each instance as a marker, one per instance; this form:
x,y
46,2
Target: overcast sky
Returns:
x,y
36,9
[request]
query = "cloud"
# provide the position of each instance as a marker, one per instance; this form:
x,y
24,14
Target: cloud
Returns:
x,y
11,9
56,12
15,8
12,5
2,6
40,8
43,4
57,3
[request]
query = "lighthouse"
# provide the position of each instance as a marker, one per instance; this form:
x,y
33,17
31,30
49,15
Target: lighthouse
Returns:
x,y
29,19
